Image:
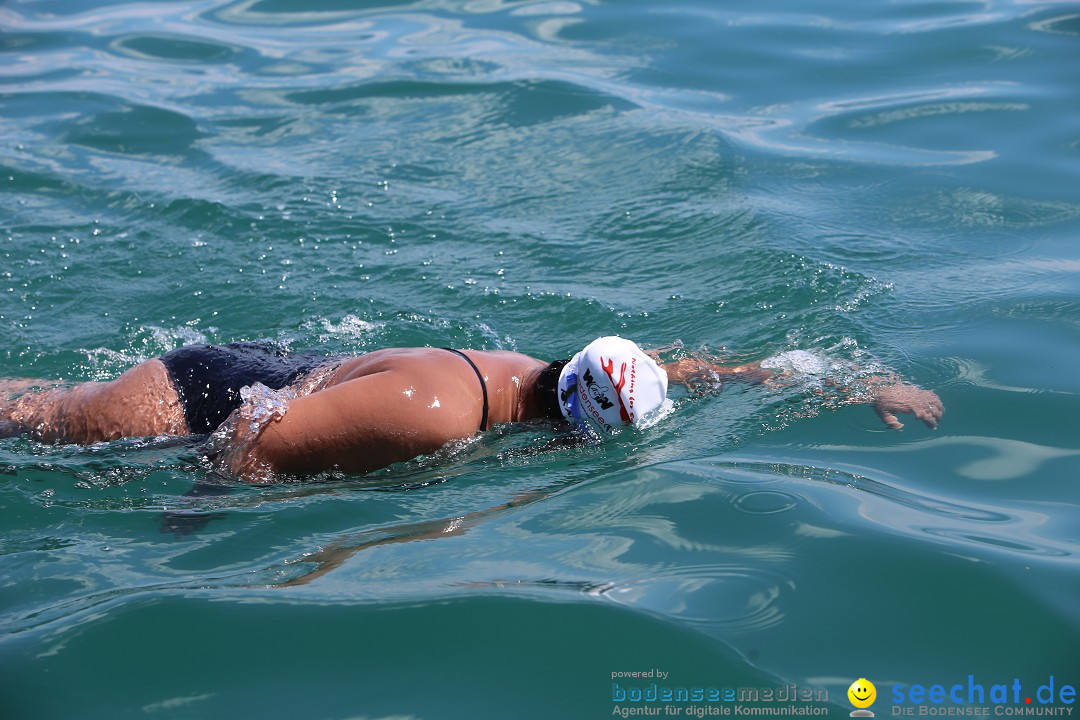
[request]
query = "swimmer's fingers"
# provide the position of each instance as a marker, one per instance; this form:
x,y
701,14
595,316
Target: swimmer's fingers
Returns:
x,y
927,417
927,407
888,417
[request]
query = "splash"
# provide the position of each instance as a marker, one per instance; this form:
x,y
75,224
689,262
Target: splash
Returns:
x,y
262,405
799,362
230,450
350,328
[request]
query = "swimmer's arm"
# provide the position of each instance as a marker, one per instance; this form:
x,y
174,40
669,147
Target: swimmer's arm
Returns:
x,y
360,425
694,372
886,392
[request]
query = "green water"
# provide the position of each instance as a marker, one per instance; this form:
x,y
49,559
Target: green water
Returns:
x,y
876,182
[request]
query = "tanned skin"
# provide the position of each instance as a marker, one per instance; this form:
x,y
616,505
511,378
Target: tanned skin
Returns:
x,y
368,412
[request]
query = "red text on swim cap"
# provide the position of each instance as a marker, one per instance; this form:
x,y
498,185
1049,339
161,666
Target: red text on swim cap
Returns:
x,y
608,366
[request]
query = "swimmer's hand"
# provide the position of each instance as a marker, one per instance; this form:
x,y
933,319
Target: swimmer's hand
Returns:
x,y
903,398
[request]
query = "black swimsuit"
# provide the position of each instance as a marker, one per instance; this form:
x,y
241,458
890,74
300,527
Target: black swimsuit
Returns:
x,y
208,378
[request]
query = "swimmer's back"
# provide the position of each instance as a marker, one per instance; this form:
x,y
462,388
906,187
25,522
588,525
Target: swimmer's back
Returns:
x,y
432,369
390,405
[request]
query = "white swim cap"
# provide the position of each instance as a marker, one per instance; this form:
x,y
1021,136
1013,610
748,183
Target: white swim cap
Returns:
x,y
610,384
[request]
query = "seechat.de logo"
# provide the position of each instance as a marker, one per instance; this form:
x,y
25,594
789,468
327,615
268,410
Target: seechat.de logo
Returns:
x,y
862,695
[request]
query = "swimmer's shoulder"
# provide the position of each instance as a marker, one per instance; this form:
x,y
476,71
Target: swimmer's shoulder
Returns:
x,y
427,360
495,363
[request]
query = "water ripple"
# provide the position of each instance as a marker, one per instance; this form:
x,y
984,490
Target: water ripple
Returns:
x,y
917,514
1005,543
729,598
172,48
1059,25
756,471
1007,458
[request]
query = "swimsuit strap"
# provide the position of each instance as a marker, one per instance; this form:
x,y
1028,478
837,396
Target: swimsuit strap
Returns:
x,y
483,385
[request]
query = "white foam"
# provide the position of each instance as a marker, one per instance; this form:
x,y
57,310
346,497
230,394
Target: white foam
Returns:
x,y
798,362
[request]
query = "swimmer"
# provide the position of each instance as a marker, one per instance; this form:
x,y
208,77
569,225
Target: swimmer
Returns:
x,y
306,413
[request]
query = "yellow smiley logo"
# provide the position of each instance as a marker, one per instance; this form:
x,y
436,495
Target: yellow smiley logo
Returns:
x,y
862,693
